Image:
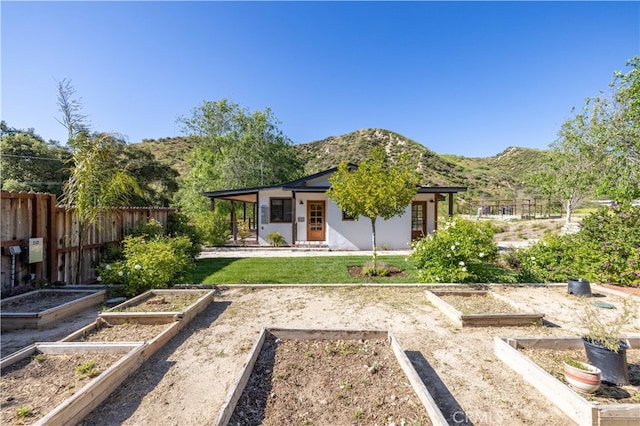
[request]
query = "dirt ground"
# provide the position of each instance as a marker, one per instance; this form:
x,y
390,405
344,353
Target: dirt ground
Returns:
x,y
187,381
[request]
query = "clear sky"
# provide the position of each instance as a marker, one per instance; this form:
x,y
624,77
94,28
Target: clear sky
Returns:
x,y
466,78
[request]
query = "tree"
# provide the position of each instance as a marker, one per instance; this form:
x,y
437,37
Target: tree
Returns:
x,y
29,163
96,184
235,149
598,150
617,130
375,188
568,172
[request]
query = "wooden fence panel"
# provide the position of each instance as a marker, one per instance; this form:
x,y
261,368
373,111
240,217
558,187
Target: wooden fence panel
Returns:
x,y
35,215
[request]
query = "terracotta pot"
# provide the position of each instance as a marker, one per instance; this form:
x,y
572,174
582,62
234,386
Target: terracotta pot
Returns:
x,y
585,379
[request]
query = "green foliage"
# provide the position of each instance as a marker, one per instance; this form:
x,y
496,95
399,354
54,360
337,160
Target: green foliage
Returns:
x,y
276,239
213,227
87,369
376,188
378,269
456,252
612,236
552,259
24,411
179,224
606,249
28,163
605,331
156,262
148,258
235,148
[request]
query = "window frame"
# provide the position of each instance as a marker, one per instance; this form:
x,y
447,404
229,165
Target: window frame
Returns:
x,y
282,209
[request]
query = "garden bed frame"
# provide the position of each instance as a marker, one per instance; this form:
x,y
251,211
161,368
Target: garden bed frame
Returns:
x,y
150,347
114,317
18,320
225,413
481,320
73,409
570,402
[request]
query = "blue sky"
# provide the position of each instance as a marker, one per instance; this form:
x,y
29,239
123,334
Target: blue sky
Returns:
x,y
466,78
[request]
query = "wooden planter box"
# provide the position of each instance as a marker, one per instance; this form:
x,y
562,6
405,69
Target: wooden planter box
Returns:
x,y
150,346
115,316
76,407
228,407
18,320
575,406
481,320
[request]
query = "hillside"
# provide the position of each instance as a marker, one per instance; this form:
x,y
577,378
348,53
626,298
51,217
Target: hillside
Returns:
x,y
502,176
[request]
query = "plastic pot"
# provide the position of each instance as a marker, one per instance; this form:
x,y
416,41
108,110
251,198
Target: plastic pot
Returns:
x,y
613,365
579,287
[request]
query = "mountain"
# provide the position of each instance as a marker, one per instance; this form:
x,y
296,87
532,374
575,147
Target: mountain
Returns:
x,y
503,176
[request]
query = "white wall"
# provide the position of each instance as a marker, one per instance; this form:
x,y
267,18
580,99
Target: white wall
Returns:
x,y
265,228
394,233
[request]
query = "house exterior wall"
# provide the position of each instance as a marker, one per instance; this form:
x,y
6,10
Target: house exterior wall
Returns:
x,y
340,234
265,227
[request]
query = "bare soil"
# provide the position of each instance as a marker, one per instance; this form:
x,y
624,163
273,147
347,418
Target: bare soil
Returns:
x,y
478,304
187,380
40,301
127,332
328,382
164,302
39,383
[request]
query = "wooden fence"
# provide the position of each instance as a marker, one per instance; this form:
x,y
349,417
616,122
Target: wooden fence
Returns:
x,y
47,237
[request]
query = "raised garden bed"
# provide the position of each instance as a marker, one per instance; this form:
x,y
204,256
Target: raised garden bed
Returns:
x,y
42,307
60,383
598,409
355,367
155,306
480,308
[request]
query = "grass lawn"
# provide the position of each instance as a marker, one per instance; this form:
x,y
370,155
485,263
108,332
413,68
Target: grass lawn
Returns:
x,y
294,270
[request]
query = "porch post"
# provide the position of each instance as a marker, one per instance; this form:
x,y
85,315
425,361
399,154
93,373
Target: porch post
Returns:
x,y
451,203
294,220
234,229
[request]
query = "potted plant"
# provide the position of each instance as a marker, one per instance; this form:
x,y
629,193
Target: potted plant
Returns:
x,y
602,342
582,376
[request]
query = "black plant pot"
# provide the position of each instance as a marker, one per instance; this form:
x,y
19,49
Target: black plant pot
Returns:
x,y
579,287
612,364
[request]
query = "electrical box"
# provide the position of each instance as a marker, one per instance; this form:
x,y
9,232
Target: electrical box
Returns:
x,y
36,246
264,215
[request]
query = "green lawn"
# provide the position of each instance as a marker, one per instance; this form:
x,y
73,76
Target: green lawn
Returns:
x,y
294,270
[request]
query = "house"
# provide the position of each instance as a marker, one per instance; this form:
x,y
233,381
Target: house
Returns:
x,y
302,213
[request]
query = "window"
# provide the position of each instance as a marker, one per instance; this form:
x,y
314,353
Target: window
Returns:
x,y
280,209
345,216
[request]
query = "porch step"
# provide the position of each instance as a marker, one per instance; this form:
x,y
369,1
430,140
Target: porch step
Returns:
x,y
312,245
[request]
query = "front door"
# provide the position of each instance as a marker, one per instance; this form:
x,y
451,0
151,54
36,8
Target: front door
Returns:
x,y
315,224
418,219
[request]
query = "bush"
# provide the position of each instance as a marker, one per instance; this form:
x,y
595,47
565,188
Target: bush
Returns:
x,y
178,224
158,262
612,237
276,239
606,250
552,259
456,252
213,226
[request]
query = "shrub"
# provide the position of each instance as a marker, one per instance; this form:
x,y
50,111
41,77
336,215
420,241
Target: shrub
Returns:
x,y
552,259
213,226
606,249
370,269
612,236
159,262
276,239
455,252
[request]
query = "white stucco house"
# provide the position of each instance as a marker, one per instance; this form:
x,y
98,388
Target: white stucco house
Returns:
x,y
301,212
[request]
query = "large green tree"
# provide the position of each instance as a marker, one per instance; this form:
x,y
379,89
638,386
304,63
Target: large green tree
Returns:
x,y
375,188
236,148
598,150
29,163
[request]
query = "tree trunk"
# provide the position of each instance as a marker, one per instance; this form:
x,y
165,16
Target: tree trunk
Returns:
x,y
373,238
568,219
